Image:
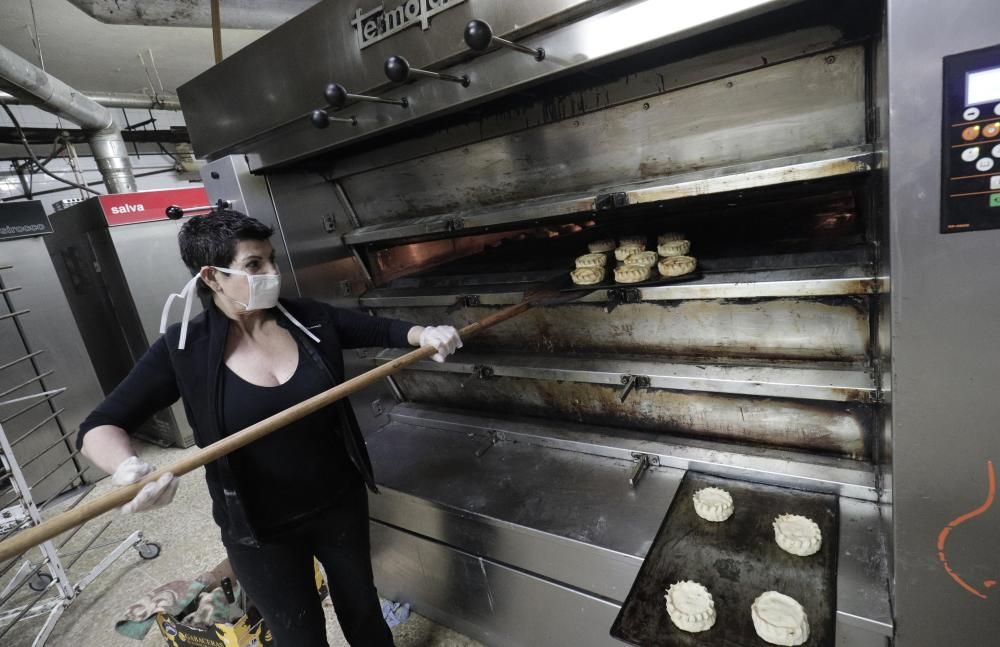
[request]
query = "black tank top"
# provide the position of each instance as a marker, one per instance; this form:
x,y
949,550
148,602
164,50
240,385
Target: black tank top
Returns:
x,y
295,472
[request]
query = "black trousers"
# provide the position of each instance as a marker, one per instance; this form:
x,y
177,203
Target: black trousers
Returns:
x,y
278,578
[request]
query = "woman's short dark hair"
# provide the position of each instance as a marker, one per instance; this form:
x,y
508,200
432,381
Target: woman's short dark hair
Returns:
x,y
211,239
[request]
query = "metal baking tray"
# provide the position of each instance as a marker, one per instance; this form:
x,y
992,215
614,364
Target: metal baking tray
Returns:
x,y
736,560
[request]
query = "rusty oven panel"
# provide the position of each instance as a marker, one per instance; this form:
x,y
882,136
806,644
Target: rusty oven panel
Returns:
x,y
827,329
724,121
822,427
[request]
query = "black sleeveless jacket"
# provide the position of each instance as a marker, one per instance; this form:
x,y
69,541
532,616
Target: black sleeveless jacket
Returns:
x,y
194,374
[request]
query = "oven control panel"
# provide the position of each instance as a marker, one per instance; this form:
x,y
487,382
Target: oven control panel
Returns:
x,y
970,159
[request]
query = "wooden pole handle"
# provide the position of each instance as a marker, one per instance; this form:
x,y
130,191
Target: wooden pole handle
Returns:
x,y
62,522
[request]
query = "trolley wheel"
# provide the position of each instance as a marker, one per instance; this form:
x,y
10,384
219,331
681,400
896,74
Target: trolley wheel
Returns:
x,y
148,550
39,582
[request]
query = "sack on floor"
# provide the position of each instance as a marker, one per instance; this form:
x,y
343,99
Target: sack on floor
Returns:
x,y
174,598
202,612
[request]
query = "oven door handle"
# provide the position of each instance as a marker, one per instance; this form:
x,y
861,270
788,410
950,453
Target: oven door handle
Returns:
x,y
631,382
643,463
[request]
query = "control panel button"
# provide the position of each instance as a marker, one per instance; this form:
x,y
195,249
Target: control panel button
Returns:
x,y
971,154
996,151
991,130
995,200
985,164
995,183
971,114
970,133
996,109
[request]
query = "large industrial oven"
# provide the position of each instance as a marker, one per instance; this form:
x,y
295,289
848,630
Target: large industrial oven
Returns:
x,y
835,346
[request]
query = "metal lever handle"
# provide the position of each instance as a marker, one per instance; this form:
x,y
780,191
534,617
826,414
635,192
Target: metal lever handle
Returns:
x,y
643,463
398,70
337,96
321,119
619,296
639,471
176,213
479,36
494,439
470,301
478,372
631,382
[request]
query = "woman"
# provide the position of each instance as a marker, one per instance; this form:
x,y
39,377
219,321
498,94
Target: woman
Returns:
x,y
296,493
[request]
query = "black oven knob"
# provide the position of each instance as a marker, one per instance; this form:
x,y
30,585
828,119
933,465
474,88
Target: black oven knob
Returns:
x,y
321,119
337,96
398,70
479,37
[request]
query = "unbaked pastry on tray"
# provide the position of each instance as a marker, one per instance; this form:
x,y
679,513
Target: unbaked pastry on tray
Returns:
x,y
737,561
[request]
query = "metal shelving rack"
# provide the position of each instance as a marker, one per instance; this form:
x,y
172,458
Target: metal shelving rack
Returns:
x,y
44,573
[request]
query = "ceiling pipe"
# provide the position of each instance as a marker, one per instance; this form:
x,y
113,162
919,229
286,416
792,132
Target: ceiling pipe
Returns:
x,y
234,14
36,87
118,100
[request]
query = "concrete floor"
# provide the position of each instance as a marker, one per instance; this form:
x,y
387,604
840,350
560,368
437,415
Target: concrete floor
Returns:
x,y
190,542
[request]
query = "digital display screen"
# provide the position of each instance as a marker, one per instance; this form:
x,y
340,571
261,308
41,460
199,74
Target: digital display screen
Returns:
x,y
982,86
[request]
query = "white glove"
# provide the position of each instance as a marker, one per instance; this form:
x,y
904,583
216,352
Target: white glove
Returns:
x,y
152,495
444,339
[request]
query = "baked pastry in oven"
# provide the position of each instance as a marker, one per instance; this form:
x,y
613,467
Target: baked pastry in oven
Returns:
x,y
631,273
676,265
646,259
674,248
668,237
632,241
624,251
601,246
592,260
587,275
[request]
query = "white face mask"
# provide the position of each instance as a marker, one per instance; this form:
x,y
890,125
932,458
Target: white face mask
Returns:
x,y
264,289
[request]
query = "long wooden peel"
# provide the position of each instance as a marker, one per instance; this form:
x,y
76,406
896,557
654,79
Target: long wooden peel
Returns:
x,y
62,522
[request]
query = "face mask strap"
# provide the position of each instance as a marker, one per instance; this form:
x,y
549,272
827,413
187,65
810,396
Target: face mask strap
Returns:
x,y
185,293
187,312
296,322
